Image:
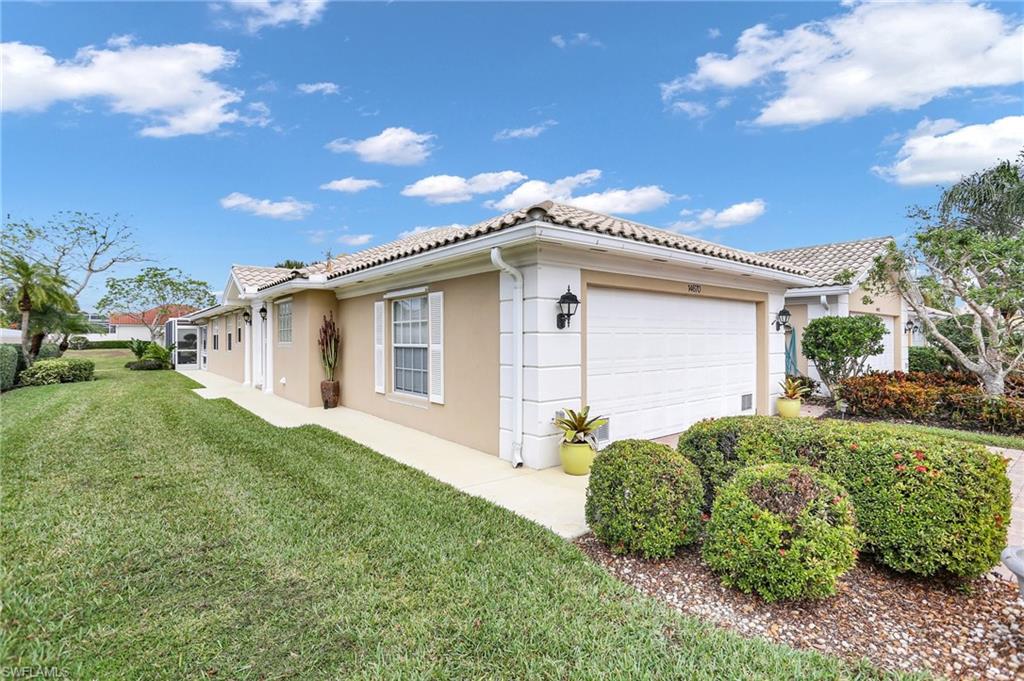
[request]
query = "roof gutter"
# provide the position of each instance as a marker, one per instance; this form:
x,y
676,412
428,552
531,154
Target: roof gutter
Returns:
x,y
517,354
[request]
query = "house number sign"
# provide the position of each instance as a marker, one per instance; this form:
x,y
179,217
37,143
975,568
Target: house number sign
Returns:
x,y
693,288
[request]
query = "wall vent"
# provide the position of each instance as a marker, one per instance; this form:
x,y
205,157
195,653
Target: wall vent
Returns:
x,y
604,434
746,402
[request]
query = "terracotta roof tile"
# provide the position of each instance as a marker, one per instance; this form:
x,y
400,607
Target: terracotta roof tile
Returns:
x,y
150,315
826,261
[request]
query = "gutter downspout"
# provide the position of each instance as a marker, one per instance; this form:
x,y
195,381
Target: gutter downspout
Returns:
x,y
517,354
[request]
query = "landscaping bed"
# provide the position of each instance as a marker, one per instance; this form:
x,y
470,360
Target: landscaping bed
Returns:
x,y
897,622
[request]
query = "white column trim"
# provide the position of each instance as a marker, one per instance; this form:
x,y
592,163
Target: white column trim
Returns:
x,y
268,349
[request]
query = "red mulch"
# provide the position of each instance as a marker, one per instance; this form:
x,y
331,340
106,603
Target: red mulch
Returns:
x,y
897,622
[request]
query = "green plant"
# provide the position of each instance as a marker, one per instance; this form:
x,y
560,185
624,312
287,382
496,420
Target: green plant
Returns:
x,y
782,531
10,358
926,504
578,428
155,352
33,285
146,365
644,498
792,389
138,347
328,343
840,346
78,342
923,358
63,370
49,351
805,381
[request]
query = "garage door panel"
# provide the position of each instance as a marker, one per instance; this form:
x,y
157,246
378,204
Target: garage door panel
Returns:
x,y
657,363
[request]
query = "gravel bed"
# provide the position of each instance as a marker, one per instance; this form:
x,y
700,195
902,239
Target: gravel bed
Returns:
x,y
897,622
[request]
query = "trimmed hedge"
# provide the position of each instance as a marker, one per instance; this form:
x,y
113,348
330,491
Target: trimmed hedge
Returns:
x,y
782,531
108,345
949,397
928,359
49,351
63,370
10,363
146,365
925,504
644,498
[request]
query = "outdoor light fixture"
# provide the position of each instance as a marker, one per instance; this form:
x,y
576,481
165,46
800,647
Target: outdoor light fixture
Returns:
x,y
782,319
567,306
910,326
263,313
247,316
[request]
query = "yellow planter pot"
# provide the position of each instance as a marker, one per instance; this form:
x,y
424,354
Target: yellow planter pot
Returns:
x,y
788,409
577,458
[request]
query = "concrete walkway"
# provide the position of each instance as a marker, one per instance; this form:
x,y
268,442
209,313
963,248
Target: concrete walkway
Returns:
x,y
548,497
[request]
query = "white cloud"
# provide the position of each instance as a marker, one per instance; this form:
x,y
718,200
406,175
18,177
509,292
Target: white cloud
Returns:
x,y
619,201
355,239
168,85
524,133
892,56
736,214
287,209
393,146
323,88
714,33
440,189
691,109
943,151
350,185
575,40
259,14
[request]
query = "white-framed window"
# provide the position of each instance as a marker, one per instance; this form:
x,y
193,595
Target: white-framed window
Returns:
x,y
410,343
284,322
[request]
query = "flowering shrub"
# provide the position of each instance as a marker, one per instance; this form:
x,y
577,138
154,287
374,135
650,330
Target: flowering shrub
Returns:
x,y
925,504
950,397
643,498
782,531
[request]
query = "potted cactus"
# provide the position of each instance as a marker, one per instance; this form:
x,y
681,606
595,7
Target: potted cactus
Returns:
x,y
793,393
329,341
579,443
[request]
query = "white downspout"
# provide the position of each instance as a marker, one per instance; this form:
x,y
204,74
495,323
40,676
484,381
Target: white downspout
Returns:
x,y
517,354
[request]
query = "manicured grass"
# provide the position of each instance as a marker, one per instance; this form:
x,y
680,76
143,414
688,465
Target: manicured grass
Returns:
x,y
1008,441
148,533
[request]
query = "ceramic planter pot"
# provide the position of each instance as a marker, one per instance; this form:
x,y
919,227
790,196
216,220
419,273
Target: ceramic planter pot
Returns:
x,y
577,458
788,409
330,393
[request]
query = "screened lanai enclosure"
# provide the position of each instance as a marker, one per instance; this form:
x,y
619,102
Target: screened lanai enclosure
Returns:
x,y
185,338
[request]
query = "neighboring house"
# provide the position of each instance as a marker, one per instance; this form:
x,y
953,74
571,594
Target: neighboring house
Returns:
x,y
456,331
840,270
123,326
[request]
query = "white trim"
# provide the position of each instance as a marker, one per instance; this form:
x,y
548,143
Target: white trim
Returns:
x,y
278,301
818,291
268,351
379,364
435,347
406,293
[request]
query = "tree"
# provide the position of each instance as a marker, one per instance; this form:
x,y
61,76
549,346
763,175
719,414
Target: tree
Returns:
x,y
156,289
33,285
972,245
290,264
75,245
840,346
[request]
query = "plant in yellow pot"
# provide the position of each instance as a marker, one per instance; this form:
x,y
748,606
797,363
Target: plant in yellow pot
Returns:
x,y
579,442
793,393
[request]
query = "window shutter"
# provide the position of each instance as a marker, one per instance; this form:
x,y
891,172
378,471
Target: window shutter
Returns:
x,y
435,303
378,346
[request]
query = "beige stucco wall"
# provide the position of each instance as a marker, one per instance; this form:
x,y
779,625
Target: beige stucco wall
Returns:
x,y
298,362
888,305
229,363
469,415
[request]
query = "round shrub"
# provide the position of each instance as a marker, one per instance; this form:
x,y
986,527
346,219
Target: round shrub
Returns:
x,y
925,504
644,498
782,531
146,365
63,370
927,359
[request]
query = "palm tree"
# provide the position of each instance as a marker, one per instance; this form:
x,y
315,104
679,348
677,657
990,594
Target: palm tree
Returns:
x,y
34,285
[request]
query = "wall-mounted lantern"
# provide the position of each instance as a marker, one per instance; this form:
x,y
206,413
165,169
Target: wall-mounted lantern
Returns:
x,y
911,326
247,316
782,318
263,312
567,306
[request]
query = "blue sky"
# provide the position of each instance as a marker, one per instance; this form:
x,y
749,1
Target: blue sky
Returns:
x,y
213,127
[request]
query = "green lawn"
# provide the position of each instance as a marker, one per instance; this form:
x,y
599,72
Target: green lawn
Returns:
x,y
1009,441
149,533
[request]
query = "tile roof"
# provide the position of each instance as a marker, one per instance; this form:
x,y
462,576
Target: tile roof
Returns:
x,y
555,213
159,314
252,275
826,261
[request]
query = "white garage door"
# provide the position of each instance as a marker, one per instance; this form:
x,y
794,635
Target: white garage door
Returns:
x,y
657,362
884,360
